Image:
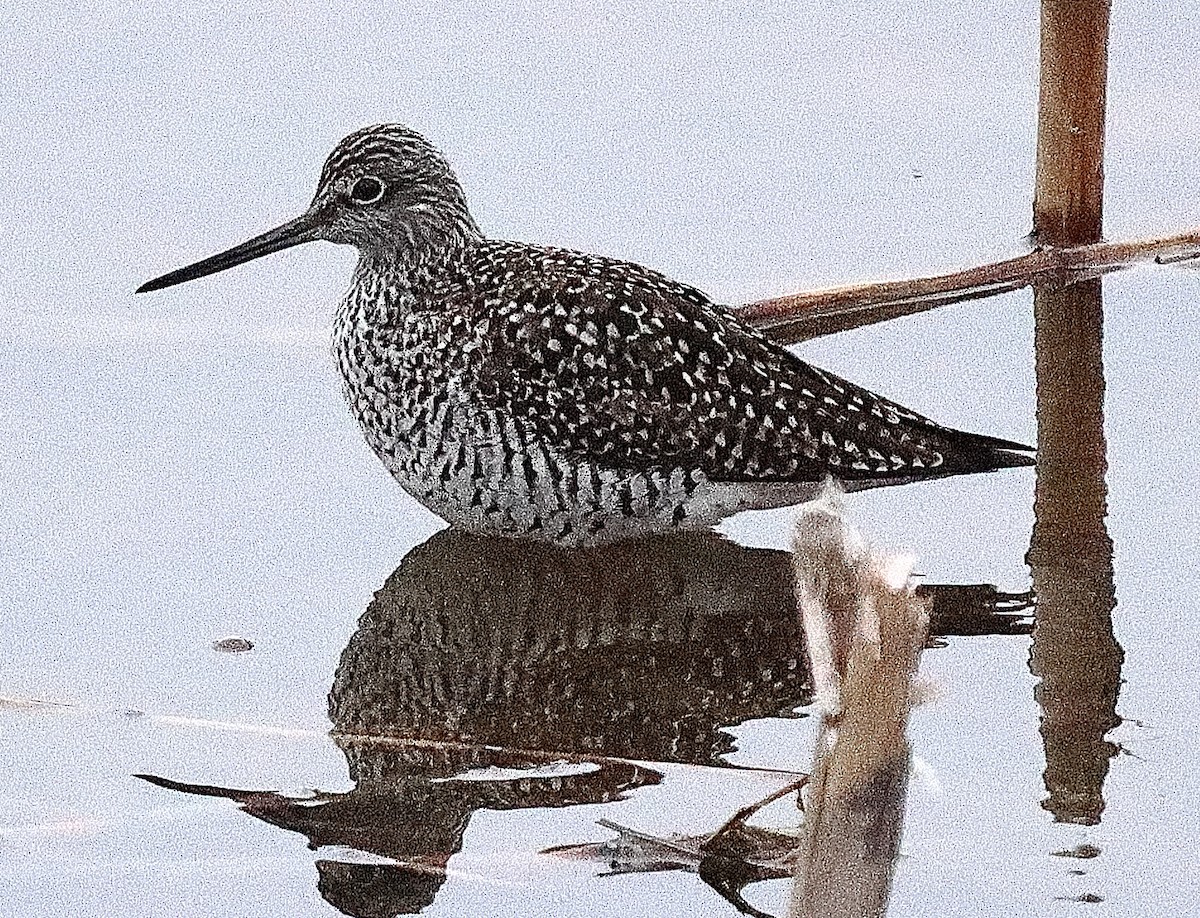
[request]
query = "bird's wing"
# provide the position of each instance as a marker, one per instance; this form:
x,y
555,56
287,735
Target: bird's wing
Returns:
x,y
614,363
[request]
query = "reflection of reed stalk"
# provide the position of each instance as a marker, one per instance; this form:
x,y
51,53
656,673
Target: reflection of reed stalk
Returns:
x,y
1074,651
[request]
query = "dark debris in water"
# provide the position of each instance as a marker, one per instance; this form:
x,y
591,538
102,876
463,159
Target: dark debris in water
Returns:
x,y
232,645
1084,851
1084,897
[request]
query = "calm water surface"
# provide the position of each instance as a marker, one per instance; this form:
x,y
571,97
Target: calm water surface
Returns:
x,y
533,692
180,470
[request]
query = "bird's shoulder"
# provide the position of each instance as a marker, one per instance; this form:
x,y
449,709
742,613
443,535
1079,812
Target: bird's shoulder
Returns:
x,y
501,277
572,306
598,316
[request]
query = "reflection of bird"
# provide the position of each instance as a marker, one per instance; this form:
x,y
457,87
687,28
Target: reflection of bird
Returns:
x,y
501,658
642,652
531,391
508,659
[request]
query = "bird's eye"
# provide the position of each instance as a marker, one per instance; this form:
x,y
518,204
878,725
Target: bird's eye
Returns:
x,y
367,190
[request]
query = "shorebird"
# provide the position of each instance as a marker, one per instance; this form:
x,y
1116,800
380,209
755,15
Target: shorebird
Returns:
x,y
537,392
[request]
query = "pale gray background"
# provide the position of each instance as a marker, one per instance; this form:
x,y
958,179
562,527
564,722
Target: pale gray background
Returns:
x,y
178,466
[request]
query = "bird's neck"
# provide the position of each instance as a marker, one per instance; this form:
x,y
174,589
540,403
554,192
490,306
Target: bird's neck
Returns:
x,y
389,281
423,248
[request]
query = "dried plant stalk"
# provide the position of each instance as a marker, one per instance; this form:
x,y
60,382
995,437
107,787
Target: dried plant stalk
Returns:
x,y
866,628
802,316
1068,204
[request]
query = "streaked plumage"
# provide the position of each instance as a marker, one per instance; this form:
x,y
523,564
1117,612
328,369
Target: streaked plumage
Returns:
x,y
532,391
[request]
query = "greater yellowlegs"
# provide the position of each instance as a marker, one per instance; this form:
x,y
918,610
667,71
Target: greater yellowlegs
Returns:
x,y
544,393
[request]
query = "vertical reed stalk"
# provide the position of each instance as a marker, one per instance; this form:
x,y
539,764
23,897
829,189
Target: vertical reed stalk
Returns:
x,y
1074,652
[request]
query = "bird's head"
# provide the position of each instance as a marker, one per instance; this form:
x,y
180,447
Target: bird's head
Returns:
x,y
384,189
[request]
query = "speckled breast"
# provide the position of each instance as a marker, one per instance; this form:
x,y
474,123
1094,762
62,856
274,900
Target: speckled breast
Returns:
x,y
408,378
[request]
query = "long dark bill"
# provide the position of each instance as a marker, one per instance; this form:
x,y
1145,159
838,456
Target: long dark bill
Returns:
x,y
303,229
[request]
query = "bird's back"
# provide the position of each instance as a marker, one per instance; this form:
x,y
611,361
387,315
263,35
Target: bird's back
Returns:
x,y
616,364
